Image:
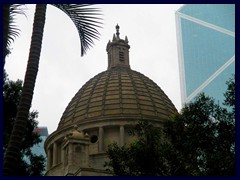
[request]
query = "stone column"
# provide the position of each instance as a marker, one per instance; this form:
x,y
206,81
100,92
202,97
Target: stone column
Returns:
x,y
55,154
70,154
63,156
100,139
49,158
122,135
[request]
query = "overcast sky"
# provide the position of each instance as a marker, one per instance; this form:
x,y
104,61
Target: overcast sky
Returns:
x,y
151,32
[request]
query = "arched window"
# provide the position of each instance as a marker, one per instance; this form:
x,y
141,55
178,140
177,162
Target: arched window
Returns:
x,y
121,55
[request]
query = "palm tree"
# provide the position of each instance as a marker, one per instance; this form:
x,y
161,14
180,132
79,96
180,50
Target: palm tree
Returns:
x,y
86,20
10,30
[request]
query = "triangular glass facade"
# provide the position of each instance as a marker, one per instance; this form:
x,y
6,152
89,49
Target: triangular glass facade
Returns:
x,y
206,46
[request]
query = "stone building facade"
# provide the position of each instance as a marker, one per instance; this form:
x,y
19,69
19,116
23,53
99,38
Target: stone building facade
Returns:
x,y
101,113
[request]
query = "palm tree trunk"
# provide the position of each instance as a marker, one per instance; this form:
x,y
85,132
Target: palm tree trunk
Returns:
x,y
19,126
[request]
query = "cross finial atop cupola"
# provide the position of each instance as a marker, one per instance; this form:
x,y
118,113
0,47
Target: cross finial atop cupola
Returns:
x,y
118,51
117,33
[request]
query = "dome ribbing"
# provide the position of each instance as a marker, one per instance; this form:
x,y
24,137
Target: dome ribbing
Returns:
x,y
117,93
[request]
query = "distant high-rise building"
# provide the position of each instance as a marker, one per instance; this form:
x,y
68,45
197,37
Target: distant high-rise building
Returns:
x,y
38,149
206,48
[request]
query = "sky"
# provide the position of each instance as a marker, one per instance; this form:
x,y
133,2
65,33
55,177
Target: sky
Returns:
x,y
151,32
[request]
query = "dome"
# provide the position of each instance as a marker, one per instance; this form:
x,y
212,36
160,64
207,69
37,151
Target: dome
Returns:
x,y
117,93
102,112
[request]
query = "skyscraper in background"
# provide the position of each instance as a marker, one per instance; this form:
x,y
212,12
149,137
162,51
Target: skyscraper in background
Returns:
x,y
38,149
206,49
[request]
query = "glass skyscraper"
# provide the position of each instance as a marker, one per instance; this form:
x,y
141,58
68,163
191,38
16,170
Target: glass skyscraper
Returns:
x,y
38,149
206,49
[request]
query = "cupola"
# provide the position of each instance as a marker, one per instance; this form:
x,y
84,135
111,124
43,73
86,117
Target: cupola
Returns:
x,y
118,51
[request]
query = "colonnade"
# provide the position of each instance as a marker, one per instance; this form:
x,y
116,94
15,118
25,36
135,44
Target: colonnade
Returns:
x,y
53,153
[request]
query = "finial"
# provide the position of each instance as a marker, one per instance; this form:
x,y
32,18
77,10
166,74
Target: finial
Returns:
x,y
117,28
126,39
114,38
75,127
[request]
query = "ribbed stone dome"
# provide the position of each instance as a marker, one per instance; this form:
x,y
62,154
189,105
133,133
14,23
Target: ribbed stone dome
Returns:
x,y
117,93
102,112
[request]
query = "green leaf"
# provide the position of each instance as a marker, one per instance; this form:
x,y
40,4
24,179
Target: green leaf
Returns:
x,y
86,20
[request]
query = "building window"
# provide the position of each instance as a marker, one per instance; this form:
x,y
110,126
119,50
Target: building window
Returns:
x,y
93,139
121,56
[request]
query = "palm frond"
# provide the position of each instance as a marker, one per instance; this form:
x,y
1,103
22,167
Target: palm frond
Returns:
x,y
10,29
86,20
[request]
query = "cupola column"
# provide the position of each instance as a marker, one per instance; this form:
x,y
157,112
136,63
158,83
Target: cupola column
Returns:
x,y
122,136
63,155
55,154
70,154
49,158
100,142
